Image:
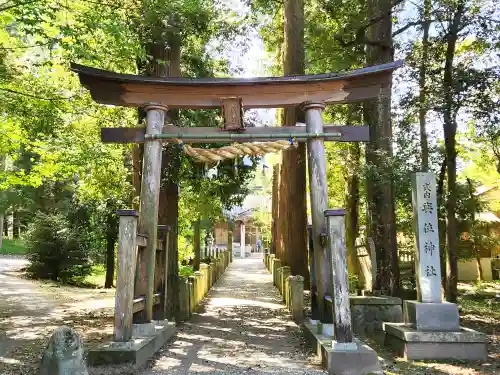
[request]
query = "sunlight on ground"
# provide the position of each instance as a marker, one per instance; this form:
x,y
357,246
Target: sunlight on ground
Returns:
x,y
9,361
223,302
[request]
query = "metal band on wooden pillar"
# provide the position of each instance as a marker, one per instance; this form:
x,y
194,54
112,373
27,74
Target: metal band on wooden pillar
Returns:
x,y
127,254
335,220
319,199
150,194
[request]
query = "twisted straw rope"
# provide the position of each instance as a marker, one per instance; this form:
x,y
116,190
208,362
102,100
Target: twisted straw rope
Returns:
x,y
207,155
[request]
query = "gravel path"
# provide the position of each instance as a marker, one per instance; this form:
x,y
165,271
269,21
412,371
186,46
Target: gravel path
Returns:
x,y
242,327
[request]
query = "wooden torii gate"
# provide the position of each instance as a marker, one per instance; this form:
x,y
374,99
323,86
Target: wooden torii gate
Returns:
x,y
311,92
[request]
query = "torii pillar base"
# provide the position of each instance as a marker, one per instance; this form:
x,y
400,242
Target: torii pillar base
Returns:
x,y
341,358
146,340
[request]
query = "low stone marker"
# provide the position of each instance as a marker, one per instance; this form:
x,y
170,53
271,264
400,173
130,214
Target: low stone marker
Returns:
x,y
64,354
296,285
279,274
198,292
183,298
192,296
285,272
275,266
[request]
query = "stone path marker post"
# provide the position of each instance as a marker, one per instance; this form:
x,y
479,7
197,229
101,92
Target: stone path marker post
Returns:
x,y
64,354
431,328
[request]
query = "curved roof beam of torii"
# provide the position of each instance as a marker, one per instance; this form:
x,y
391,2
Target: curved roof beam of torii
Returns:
x,y
137,91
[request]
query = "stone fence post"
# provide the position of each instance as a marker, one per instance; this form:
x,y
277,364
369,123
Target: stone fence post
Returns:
x,y
183,298
275,265
285,273
296,284
198,288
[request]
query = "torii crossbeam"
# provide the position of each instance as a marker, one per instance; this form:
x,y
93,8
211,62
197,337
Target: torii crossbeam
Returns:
x,y
311,92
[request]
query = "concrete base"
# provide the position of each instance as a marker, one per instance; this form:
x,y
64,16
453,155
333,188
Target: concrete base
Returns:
x,y
146,340
463,344
342,359
442,316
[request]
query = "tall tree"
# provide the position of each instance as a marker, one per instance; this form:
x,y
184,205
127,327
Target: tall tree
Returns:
x,y
450,132
294,161
377,114
422,109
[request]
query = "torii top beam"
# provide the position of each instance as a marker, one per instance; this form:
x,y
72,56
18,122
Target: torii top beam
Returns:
x,y
205,93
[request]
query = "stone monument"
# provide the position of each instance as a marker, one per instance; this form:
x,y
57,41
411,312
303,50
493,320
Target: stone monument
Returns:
x,y
64,354
431,327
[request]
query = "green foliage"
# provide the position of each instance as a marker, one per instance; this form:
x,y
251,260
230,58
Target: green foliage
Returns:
x,y
15,246
186,271
56,249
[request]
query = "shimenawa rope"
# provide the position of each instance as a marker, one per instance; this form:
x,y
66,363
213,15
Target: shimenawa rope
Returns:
x,y
207,155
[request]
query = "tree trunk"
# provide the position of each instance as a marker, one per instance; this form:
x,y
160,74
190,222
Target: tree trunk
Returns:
x,y
294,160
352,192
422,110
196,244
169,193
1,230
16,225
111,236
169,208
475,250
442,224
282,211
137,152
275,208
10,225
380,191
450,131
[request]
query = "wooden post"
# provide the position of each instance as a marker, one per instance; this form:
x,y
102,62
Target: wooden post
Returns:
x,y
125,272
164,234
150,193
230,242
335,220
242,240
319,201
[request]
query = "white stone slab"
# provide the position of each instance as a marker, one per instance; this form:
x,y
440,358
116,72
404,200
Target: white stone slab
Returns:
x,y
427,237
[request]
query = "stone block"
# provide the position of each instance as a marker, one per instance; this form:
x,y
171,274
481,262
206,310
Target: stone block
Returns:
x,y
279,276
144,344
212,274
354,358
192,295
64,354
204,272
198,288
442,316
275,266
183,298
296,297
463,344
368,313
285,272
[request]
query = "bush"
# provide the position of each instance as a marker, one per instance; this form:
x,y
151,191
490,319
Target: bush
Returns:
x,y
56,250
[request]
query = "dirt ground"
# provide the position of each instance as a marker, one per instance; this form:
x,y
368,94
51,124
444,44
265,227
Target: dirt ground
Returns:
x,y
31,310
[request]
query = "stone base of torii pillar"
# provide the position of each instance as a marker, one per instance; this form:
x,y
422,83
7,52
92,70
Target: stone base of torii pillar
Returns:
x,y
431,329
